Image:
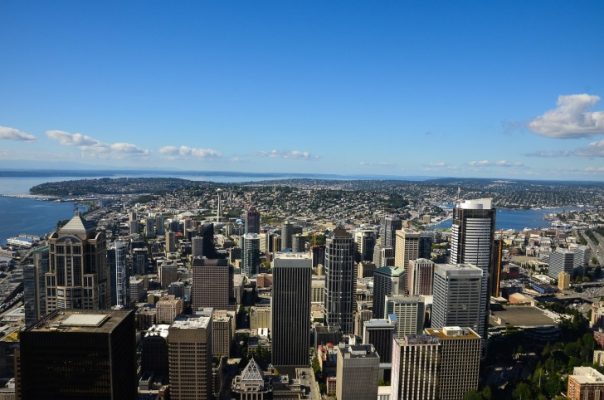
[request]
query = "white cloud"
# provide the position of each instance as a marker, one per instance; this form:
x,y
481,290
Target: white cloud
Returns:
x,y
94,146
72,139
377,164
8,133
498,163
291,154
550,153
570,118
594,149
595,170
185,151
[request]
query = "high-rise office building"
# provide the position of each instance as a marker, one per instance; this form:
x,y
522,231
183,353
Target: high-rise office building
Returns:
x,y
386,281
298,243
77,276
122,279
340,280
495,267
383,256
420,277
167,273
364,240
190,358
212,284
139,261
425,245
290,306
457,291
390,224
251,220
472,235
79,355
458,347
406,247
251,254
407,313
34,289
318,255
379,333
197,246
287,231
561,260
415,367
168,308
170,242
357,372
154,352
222,332
209,248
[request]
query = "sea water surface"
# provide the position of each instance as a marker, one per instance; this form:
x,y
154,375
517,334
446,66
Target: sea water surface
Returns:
x,y
517,219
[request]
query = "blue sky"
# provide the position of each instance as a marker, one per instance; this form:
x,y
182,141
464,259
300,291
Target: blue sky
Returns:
x,y
468,88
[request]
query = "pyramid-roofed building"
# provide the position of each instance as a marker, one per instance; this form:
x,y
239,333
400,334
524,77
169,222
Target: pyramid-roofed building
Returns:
x,y
251,384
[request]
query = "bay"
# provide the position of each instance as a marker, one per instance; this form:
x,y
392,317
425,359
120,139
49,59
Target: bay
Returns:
x,y
30,216
516,219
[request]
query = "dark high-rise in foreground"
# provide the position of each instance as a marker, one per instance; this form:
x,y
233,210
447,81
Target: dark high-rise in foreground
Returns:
x,y
79,355
291,309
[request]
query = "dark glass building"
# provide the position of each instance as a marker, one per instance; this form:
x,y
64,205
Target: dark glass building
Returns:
x,y
79,355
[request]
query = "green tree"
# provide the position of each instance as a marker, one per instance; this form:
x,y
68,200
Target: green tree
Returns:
x,y
522,392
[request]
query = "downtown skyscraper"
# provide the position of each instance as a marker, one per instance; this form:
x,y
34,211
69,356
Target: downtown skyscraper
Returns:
x,y
251,219
77,276
472,236
340,280
290,308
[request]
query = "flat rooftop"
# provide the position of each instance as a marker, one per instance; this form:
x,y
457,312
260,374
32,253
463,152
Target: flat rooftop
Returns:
x,y
80,321
452,333
521,316
191,323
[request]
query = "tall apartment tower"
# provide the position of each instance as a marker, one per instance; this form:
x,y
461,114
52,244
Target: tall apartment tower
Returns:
x,y
190,358
290,308
390,224
34,289
457,291
252,220
386,281
406,247
251,254
212,284
458,347
420,277
472,236
364,240
287,231
415,367
79,355
357,372
407,313
77,276
340,280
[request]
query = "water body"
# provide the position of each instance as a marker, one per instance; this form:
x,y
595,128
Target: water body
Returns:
x,y
30,216
516,219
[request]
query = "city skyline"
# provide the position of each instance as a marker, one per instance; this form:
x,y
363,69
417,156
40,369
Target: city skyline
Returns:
x,y
500,90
